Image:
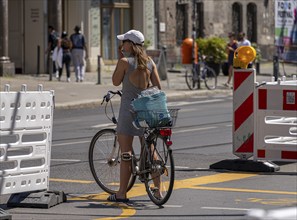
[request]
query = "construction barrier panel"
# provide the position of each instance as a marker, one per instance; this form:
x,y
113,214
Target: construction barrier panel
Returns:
x,y
243,117
26,119
159,57
275,121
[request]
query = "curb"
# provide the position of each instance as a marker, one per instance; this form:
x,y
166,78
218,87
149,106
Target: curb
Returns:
x,y
171,96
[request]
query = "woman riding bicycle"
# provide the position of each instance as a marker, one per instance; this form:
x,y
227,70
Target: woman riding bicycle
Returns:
x,y
134,70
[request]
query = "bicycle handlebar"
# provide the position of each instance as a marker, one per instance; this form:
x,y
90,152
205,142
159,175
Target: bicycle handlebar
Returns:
x,y
110,94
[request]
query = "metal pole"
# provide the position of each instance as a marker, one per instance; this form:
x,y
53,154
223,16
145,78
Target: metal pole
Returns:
x,y
38,60
50,67
99,69
195,70
4,29
275,67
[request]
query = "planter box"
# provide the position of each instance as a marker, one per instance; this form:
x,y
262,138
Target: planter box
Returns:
x,y
215,66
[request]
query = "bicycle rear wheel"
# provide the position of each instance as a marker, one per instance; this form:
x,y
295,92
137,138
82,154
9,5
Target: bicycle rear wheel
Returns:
x,y
191,82
160,179
210,78
105,159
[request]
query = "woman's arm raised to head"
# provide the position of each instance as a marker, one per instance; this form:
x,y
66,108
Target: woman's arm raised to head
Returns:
x,y
118,74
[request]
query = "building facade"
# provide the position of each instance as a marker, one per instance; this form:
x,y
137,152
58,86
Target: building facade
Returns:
x,y
24,35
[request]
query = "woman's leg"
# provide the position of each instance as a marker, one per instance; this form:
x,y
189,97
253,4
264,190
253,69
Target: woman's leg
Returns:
x,y
67,64
230,71
75,63
81,65
125,142
60,72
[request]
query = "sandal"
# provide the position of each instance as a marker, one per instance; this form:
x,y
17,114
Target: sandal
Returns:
x,y
226,85
156,193
113,198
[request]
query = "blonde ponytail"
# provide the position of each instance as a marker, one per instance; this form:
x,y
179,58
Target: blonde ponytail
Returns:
x,y
141,56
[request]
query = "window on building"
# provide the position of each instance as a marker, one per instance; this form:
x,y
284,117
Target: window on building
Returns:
x,y
116,18
200,20
181,23
236,17
252,22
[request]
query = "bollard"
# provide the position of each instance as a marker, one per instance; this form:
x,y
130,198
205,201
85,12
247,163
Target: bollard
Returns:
x,y
99,69
50,66
38,60
275,67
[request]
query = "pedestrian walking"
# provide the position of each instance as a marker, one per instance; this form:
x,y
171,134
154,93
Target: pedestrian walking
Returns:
x,y
53,38
66,46
79,52
231,47
242,41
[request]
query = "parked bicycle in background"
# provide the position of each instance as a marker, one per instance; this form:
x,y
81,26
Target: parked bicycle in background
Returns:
x,y
201,72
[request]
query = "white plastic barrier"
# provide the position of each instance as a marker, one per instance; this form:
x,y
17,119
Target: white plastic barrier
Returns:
x,y
26,119
275,121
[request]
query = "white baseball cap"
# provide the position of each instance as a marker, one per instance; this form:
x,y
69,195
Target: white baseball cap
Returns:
x,y
132,35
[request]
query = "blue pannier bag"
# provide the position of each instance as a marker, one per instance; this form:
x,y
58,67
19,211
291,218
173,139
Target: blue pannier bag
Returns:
x,y
151,107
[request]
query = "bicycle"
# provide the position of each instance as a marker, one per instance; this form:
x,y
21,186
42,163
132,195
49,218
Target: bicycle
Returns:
x,y
201,72
153,163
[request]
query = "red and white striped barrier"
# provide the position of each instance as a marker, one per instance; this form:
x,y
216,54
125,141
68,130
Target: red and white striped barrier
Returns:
x,y
275,121
243,117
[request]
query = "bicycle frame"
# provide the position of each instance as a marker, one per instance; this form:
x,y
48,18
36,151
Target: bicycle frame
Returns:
x,y
148,148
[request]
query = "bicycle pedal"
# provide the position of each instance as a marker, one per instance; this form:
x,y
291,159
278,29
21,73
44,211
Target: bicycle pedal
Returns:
x,y
154,189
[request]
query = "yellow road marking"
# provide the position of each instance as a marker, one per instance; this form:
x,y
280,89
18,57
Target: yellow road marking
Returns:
x,y
71,181
244,190
193,183
216,178
127,211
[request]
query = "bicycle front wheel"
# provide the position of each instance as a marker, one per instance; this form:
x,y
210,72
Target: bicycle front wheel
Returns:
x,y
105,159
210,78
160,180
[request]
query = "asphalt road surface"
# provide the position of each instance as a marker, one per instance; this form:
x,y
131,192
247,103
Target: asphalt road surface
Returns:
x,y
202,136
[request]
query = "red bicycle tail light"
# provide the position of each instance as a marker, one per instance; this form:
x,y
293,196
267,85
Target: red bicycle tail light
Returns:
x,y
165,132
169,143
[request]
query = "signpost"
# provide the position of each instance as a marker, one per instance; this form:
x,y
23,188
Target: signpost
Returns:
x,y
286,29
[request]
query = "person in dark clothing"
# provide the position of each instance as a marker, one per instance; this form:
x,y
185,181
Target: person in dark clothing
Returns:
x,y
231,47
79,51
53,38
66,46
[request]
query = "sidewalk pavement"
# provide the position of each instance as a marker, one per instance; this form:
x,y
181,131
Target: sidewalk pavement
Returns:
x,y
89,92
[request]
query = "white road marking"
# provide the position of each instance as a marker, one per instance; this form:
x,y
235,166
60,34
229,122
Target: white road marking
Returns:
x,y
71,143
66,160
103,125
174,132
225,208
193,129
173,206
181,167
194,102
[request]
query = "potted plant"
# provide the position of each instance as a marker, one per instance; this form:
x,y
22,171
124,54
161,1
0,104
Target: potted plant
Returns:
x,y
214,50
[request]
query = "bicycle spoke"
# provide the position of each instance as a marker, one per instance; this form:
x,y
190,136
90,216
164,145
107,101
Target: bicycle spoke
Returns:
x,y
104,159
210,78
160,180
